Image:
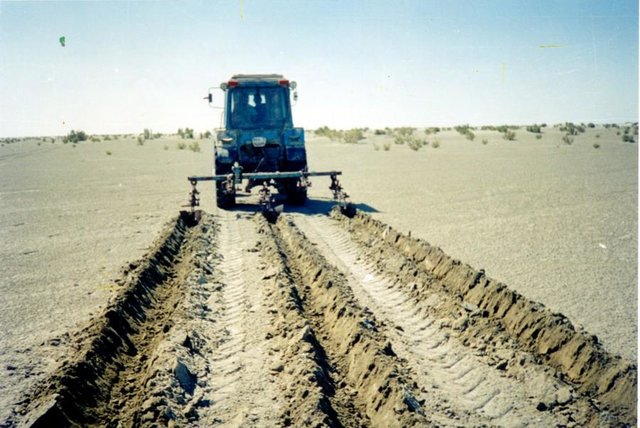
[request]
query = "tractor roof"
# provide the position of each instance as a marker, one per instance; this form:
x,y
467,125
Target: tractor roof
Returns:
x,y
246,78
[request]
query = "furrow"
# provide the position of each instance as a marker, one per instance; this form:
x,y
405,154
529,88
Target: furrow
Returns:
x,y
370,376
447,369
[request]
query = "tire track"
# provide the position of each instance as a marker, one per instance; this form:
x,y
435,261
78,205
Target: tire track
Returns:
x,y
455,381
240,389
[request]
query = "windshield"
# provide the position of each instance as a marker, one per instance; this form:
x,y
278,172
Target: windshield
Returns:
x,y
263,107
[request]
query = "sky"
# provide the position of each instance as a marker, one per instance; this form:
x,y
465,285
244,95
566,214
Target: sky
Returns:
x,y
130,65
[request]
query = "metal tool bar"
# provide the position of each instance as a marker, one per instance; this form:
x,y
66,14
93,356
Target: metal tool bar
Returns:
x,y
266,175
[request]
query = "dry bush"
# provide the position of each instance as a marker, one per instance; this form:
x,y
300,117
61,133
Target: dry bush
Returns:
x,y
596,145
182,146
567,139
352,136
194,146
509,135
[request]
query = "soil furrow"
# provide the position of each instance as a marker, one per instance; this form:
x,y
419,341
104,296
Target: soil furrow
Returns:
x,y
373,383
474,392
104,379
511,332
240,388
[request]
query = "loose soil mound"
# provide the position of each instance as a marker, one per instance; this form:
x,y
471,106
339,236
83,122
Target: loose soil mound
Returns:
x,y
577,356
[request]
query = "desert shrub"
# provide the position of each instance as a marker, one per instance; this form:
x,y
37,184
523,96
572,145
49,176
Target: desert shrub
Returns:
x,y
415,143
141,139
567,139
182,146
628,138
108,152
432,130
596,145
207,134
332,134
146,135
572,129
166,147
75,137
591,125
597,135
95,139
509,135
399,139
435,144
194,146
386,147
485,141
379,132
185,133
534,128
538,136
404,131
352,136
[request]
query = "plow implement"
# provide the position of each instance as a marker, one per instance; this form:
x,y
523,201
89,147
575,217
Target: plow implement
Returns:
x,y
228,184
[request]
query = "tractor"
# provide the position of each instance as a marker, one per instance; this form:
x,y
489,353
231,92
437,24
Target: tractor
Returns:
x,y
258,145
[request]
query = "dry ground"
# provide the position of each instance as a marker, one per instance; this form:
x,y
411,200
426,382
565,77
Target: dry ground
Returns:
x,y
222,319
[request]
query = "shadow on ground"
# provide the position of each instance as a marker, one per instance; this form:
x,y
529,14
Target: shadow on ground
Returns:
x,y
311,207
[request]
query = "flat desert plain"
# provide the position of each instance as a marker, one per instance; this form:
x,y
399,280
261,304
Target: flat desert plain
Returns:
x,y
555,223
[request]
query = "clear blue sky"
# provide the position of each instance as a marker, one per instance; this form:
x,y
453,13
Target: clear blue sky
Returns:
x,y
129,65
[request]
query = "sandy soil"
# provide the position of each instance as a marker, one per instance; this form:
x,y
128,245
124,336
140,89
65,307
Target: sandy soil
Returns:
x,y
556,223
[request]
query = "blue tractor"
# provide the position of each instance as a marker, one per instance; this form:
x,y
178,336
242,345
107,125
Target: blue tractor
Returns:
x,y
259,136
259,145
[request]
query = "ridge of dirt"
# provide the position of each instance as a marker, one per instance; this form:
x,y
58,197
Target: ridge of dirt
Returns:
x,y
110,355
489,311
305,375
375,379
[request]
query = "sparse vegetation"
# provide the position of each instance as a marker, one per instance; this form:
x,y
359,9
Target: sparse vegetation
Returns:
x,y
182,146
432,130
596,145
572,129
194,146
567,139
332,134
352,136
108,152
403,131
415,143
537,129
466,131
185,133
509,135
386,147
75,137
379,132
141,139
435,144
628,138
538,136
485,141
